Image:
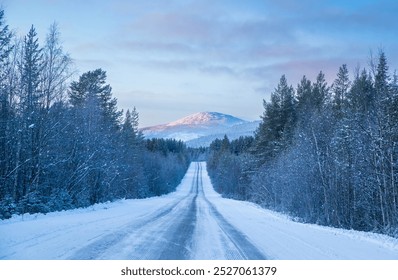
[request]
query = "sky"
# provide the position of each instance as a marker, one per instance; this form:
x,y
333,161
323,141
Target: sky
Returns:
x,y
173,58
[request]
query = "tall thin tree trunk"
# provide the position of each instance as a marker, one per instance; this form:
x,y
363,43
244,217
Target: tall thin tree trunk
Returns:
x,y
321,172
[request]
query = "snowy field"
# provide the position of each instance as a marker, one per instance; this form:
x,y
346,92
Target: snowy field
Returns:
x,y
194,222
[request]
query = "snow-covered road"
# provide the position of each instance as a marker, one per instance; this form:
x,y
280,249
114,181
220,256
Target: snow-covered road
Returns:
x,y
194,222
175,231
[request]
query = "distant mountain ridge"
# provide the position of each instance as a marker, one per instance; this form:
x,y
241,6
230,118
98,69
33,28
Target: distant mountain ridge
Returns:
x,y
207,119
200,129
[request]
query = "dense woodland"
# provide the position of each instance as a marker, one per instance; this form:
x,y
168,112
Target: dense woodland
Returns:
x,y
325,154
63,142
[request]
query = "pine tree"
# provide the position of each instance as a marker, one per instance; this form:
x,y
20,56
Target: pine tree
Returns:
x,y
31,67
361,95
6,113
92,87
5,44
304,96
128,131
278,122
342,153
31,131
382,78
321,94
340,90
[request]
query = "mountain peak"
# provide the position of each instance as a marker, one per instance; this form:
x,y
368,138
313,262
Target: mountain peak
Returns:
x,y
207,118
199,125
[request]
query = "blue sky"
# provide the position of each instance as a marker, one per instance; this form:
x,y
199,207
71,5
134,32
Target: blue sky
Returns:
x,y
174,58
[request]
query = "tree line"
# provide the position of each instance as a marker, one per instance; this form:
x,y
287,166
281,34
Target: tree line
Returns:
x,y
325,154
63,143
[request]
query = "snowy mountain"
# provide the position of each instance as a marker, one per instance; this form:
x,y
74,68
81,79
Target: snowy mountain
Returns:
x,y
200,129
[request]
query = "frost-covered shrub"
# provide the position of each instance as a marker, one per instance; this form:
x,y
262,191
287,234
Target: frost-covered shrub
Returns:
x,y
32,203
7,207
60,200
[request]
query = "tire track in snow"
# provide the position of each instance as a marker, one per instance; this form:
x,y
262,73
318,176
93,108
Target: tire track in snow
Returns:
x,y
97,249
169,234
244,248
181,243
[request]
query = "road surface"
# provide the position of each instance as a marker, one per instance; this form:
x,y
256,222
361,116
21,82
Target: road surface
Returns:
x,y
176,232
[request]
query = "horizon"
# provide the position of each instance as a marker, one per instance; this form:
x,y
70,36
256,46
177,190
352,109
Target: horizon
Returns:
x,y
172,59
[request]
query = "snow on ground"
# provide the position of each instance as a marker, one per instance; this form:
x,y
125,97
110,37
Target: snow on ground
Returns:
x,y
281,238
57,235
218,228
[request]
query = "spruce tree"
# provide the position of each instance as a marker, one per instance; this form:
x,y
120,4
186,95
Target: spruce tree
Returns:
x,y
6,114
304,96
361,94
321,94
31,130
340,90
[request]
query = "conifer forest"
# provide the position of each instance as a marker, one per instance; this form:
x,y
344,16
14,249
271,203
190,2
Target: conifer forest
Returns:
x,y
323,153
63,142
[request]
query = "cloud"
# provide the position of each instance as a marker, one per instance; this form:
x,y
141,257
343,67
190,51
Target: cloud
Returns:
x,y
173,26
86,64
155,46
219,70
